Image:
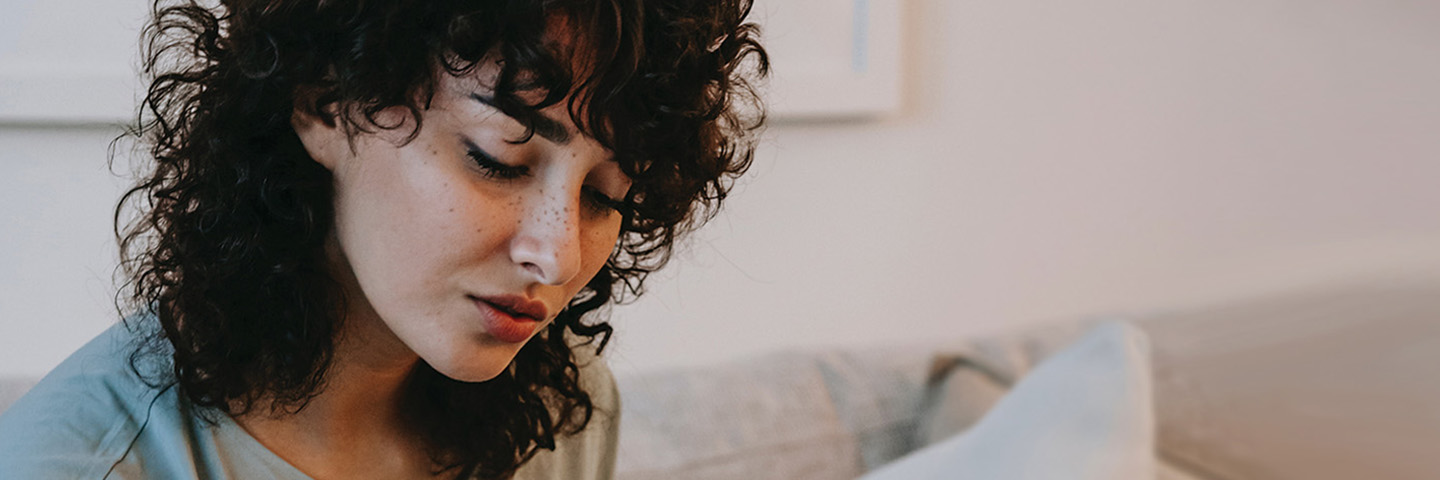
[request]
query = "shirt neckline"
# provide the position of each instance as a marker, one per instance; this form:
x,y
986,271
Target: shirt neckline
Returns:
x,y
232,431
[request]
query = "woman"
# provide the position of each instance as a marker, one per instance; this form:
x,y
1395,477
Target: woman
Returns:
x,y
375,234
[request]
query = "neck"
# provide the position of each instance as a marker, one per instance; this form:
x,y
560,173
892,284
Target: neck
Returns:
x,y
354,426
369,370
363,390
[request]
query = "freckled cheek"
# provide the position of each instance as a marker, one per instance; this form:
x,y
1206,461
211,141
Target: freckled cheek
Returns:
x,y
597,246
484,217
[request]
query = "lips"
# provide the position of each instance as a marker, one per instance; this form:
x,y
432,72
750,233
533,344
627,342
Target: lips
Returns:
x,y
518,306
510,319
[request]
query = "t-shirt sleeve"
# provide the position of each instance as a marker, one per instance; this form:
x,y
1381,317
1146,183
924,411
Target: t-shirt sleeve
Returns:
x,y
80,420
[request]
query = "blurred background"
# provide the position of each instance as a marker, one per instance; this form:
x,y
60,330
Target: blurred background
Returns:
x,y
981,165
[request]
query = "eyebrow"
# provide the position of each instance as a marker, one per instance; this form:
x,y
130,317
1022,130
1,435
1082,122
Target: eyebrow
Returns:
x,y
542,125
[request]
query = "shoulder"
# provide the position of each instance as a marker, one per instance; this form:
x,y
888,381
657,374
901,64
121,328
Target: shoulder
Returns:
x,y
82,417
589,454
597,380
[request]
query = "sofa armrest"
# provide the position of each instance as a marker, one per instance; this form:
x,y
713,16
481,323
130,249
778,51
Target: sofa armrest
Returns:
x,y
12,388
1326,383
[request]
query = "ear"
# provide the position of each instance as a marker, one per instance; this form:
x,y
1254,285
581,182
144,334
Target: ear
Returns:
x,y
324,139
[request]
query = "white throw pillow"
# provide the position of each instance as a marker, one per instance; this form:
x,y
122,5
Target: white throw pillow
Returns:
x,y
1084,414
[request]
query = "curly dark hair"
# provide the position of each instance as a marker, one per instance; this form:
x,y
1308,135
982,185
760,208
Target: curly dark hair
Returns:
x,y
226,256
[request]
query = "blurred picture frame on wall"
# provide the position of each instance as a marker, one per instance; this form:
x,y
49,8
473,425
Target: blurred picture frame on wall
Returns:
x,y
81,73
832,59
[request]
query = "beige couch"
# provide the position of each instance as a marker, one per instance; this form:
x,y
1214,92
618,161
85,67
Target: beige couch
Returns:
x,y
1326,383
1339,382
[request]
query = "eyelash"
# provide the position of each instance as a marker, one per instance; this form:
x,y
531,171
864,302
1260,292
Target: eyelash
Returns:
x,y
492,168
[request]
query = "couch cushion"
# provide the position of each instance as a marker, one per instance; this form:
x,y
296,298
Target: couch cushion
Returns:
x,y
967,377
767,418
877,394
1084,414
886,396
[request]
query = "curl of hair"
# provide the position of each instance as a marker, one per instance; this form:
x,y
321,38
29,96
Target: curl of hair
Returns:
x,y
227,253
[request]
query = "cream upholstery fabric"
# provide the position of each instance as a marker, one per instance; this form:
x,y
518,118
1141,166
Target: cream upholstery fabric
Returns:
x,y
1084,414
1324,384
769,418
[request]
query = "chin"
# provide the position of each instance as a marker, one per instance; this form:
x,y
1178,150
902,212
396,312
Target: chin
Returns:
x,y
477,367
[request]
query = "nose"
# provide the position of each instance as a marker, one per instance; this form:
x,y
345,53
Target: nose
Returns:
x,y
546,244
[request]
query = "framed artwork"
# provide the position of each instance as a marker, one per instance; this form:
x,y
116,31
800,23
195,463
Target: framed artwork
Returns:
x,y
69,62
63,63
832,58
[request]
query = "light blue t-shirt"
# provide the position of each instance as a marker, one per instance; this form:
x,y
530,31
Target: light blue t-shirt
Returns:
x,y
93,417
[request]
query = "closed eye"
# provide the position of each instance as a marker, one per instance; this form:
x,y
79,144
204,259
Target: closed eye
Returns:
x,y
491,167
602,203
596,202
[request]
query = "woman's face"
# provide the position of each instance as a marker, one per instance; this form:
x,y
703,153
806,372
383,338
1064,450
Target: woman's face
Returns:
x,y
457,236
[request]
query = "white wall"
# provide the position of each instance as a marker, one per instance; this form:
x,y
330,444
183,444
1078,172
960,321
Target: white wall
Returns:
x,y
56,199
1058,159
1053,160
